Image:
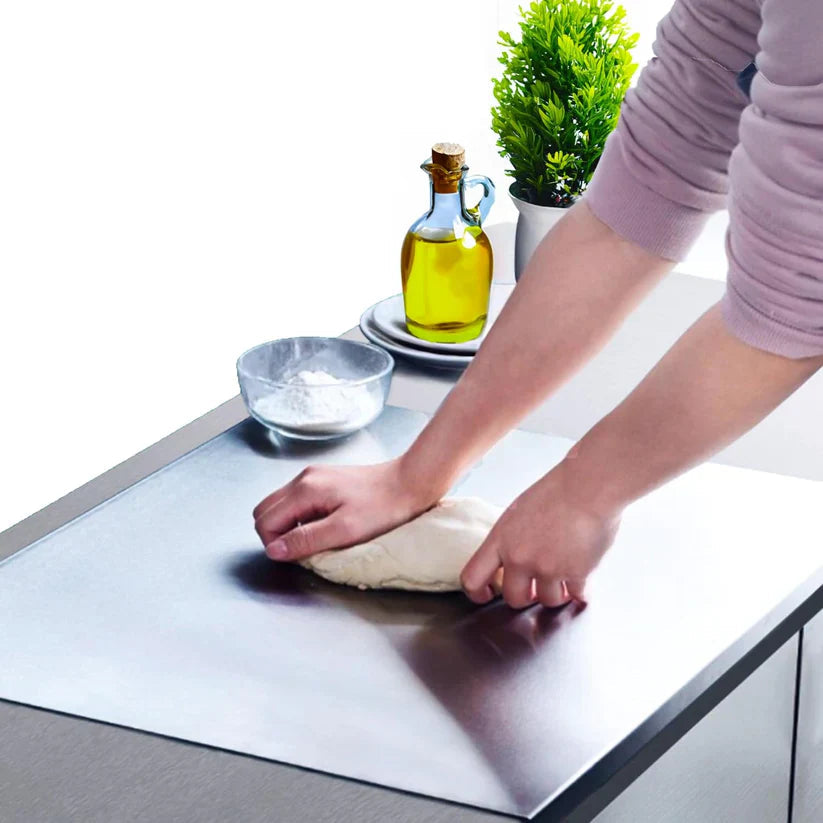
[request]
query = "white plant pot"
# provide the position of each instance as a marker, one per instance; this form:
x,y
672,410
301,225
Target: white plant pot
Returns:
x,y
533,224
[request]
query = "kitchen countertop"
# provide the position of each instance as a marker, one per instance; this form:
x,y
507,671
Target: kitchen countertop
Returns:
x,y
98,772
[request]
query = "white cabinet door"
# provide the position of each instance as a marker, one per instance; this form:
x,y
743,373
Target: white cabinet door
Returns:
x,y
733,766
808,785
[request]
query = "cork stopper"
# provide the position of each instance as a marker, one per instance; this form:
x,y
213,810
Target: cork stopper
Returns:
x,y
450,156
447,161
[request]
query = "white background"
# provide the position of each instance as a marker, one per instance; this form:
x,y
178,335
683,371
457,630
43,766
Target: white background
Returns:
x,y
180,181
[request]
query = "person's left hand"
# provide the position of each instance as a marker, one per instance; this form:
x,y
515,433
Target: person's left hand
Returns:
x,y
547,543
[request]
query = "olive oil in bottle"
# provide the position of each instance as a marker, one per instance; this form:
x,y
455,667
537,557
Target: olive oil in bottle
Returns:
x,y
446,261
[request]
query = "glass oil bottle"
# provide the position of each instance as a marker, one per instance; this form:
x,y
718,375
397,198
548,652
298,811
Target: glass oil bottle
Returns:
x,y
446,262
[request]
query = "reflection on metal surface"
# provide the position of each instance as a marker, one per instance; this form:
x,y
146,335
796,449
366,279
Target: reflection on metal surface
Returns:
x,y
158,611
808,782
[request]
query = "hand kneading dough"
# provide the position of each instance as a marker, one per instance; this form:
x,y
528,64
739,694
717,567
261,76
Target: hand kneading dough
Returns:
x,y
426,554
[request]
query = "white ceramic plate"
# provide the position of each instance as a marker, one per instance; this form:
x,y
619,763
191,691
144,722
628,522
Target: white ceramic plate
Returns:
x,y
431,359
389,317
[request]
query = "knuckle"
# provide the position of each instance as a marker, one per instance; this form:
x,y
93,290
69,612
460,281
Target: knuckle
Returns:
x,y
519,559
466,578
346,526
299,540
308,476
263,530
317,484
308,486
546,569
515,591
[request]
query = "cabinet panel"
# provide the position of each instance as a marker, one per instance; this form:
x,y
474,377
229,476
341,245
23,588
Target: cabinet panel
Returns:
x,y
733,765
808,785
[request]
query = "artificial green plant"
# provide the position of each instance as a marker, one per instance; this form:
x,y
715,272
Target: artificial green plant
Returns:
x,y
560,93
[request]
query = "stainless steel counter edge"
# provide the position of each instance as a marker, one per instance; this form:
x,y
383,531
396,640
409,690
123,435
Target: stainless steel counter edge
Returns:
x,y
592,790
121,476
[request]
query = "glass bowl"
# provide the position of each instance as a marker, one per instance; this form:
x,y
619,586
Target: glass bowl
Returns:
x,y
314,388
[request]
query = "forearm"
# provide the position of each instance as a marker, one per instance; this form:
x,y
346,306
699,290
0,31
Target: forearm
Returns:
x,y
581,283
707,391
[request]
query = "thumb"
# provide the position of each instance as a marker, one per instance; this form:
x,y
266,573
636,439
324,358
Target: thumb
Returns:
x,y
310,538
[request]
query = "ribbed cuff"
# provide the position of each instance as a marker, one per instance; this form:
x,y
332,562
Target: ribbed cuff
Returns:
x,y
636,212
759,330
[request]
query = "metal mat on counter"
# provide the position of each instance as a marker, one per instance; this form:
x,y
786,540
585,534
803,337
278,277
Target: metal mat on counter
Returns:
x,y
157,610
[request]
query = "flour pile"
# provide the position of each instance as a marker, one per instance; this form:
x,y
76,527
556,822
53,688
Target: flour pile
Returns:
x,y
316,401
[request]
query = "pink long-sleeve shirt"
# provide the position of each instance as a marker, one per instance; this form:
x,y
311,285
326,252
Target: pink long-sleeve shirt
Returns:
x,y
689,142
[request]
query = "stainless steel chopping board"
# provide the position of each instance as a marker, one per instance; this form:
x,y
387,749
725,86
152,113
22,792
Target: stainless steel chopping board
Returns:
x,y
157,610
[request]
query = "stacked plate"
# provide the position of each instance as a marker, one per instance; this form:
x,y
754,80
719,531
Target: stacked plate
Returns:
x,y
384,324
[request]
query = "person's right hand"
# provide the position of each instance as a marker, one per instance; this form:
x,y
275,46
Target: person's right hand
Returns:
x,y
332,507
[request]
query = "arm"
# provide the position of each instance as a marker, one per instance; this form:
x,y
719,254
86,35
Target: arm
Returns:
x,y
705,393
708,390
775,296
585,277
742,358
664,171
581,283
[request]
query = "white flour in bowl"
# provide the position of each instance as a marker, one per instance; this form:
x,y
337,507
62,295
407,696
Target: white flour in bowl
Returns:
x,y
334,408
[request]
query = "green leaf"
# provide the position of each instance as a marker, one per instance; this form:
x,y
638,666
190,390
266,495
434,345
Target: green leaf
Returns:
x,y
559,94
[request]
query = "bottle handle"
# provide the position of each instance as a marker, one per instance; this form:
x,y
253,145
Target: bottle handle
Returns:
x,y
480,211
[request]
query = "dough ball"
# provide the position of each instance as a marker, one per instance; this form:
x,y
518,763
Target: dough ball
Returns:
x,y
426,554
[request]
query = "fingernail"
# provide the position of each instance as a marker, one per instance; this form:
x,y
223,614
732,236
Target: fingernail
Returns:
x,y
277,550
